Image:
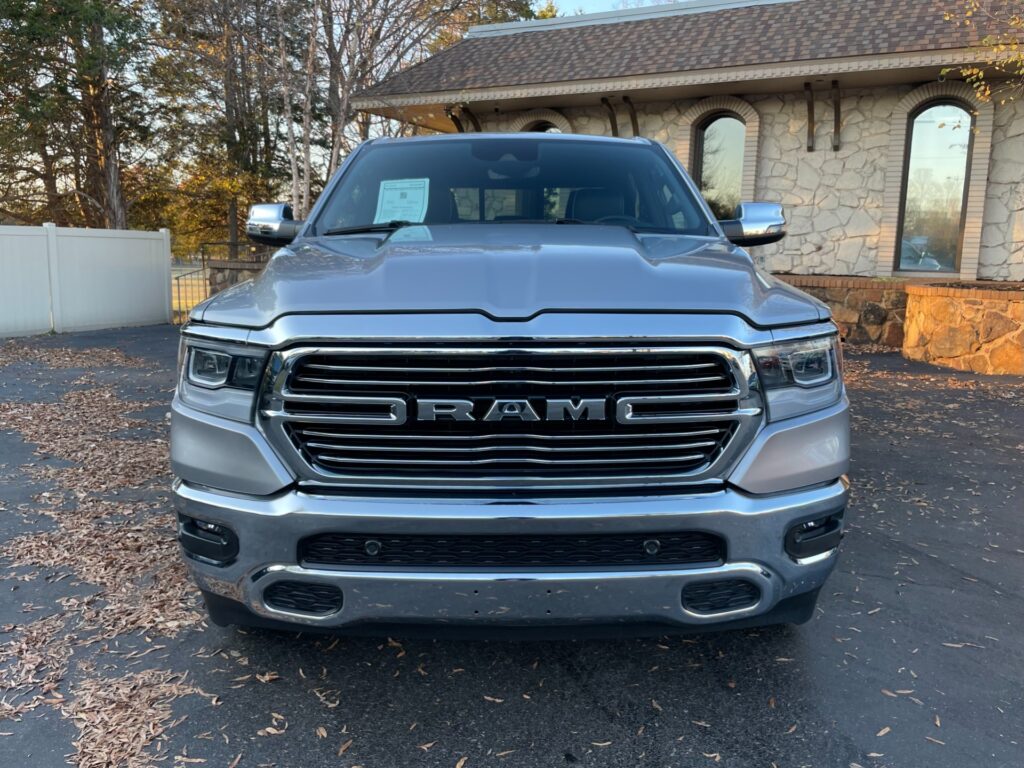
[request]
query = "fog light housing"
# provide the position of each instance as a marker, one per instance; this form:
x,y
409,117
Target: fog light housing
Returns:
x,y
304,597
210,543
814,537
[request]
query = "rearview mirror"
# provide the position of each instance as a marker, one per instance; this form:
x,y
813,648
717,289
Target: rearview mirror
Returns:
x,y
272,224
755,224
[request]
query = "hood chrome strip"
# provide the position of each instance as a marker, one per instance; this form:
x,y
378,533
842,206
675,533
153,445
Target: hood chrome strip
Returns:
x,y
589,327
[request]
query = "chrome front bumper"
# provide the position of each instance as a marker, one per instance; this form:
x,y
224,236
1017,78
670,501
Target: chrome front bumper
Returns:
x,y
753,527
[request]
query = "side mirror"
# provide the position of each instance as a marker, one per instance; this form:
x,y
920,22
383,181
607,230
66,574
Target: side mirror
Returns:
x,y
272,224
755,224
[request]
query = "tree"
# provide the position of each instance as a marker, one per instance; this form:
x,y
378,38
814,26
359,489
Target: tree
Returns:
x,y
69,105
181,113
547,11
474,12
1000,73
366,41
216,69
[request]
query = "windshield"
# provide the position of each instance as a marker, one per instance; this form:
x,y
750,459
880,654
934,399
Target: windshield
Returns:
x,y
514,180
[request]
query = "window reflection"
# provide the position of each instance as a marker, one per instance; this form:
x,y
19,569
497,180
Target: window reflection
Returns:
x,y
720,163
543,126
934,185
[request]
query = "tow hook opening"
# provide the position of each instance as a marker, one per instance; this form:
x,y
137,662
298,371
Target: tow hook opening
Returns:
x,y
815,536
208,542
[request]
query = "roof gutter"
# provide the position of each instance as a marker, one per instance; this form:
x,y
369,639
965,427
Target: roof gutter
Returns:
x,y
641,13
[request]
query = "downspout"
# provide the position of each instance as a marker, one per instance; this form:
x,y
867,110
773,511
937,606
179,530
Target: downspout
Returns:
x,y
472,118
809,94
611,116
455,120
632,115
837,123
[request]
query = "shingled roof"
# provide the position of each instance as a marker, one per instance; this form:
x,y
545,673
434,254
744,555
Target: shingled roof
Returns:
x,y
767,32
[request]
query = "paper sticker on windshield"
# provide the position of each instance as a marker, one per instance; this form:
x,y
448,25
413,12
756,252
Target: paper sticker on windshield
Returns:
x,y
402,200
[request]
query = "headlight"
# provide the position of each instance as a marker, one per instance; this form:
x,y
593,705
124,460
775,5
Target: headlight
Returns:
x,y
220,379
800,376
212,368
208,368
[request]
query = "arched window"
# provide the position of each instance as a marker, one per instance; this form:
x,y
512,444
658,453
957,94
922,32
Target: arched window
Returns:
x,y
543,126
935,171
539,121
718,162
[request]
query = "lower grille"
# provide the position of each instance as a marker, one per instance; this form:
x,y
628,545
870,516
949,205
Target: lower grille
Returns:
x,y
689,548
720,596
301,597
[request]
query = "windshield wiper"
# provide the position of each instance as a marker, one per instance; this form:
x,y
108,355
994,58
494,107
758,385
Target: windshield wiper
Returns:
x,y
569,220
384,226
531,221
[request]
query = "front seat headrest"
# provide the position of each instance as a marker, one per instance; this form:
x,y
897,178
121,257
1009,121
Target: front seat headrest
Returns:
x,y
594,204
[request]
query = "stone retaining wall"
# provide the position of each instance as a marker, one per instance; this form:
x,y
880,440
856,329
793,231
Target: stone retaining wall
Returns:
x,y
865,309
967,328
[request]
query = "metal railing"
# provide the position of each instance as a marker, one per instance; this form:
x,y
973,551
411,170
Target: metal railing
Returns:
x,y
191,283
190,288
231,251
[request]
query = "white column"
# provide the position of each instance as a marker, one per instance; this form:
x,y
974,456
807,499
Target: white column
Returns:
x,y
166,249
56,323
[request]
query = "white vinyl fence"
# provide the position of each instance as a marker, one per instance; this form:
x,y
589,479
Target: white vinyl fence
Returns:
x,y
67,279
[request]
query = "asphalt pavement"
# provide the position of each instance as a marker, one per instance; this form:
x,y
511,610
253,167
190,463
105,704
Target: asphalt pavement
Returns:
x,y
915,656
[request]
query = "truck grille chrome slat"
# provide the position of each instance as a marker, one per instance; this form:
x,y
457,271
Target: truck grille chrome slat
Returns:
x,y
510,447
494,368
512,461
489,382
662,416
646,436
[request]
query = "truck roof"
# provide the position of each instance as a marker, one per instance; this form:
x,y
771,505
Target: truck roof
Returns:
x,y
511,136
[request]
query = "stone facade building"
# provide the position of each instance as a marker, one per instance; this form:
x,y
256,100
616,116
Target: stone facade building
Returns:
x,y
835,108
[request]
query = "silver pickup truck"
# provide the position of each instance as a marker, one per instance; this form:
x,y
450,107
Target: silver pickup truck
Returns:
x,y
511,383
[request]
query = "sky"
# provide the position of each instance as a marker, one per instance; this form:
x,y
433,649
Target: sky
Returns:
x,y
588,6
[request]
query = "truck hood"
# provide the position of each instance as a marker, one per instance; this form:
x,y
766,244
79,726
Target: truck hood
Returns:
x,y
511,272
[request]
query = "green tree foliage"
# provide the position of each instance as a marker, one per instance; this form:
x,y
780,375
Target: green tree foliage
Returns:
x,y
547,11
181,113
487,12
999,72
70,111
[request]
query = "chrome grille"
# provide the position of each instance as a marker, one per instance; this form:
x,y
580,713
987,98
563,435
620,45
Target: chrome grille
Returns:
x,y
673,416
526,370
